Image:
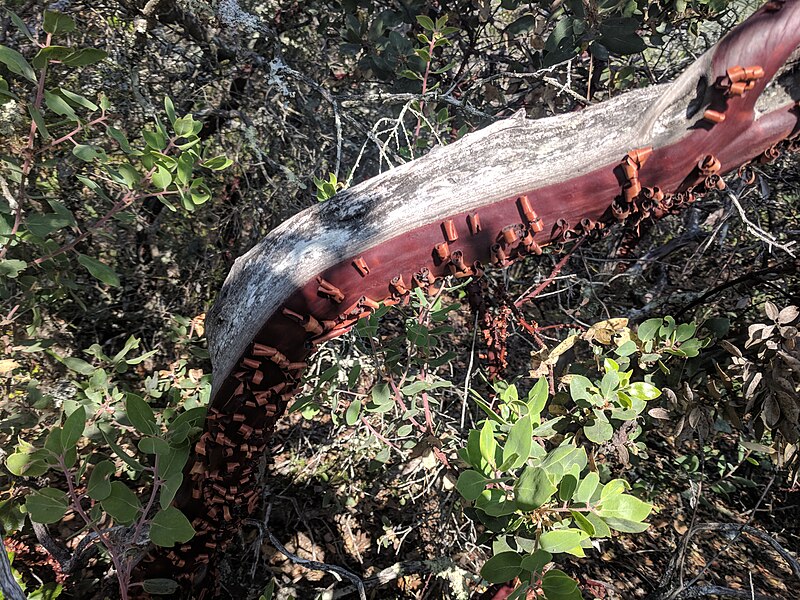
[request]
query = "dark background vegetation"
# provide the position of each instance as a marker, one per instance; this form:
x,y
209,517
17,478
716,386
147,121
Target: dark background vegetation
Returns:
x,y
299,93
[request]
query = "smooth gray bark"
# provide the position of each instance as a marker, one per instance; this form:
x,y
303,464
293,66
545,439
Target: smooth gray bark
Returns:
x,y
491,164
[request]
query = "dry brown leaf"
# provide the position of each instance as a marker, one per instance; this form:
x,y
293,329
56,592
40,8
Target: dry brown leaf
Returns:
x,y
604,331
7,365
771,310
659,413
787,315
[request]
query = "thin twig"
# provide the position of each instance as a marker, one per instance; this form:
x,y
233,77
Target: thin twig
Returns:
x,y
736,530
468,376
401,569
277,67
564,88
379,436
755,230
556,270
313,564
714,590
690,589
432,96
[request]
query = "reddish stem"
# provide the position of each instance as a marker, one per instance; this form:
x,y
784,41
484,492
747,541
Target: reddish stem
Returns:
x,y
378,435
398,397
28,164
550,278
425,83
75,131
122,577
124,203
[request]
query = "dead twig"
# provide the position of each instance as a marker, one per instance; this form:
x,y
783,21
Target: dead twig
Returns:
x,y
734,530
715,590
666,590
556,270
398,570
313,564
756,231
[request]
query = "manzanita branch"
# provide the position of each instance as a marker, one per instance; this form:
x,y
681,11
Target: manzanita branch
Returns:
x,y
500,195
313,564
123,203
116,559
69,136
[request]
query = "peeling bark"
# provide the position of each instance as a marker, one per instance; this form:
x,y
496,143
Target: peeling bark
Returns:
x,y
637,157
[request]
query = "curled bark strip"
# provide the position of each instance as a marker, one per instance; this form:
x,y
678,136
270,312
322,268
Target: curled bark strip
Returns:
x,y
534,183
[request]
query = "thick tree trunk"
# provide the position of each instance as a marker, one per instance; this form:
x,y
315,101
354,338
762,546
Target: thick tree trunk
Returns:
x,y
529,183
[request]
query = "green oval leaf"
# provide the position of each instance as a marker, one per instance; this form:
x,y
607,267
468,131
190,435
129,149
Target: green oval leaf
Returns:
x,y
27,462
56,22
169,489
12,267
561,540
53,442
625,525
99,270
488,445
154,139
601,529
140,415
88,153
153,445
562,460
567,487
85,56
160,586
502,567
73,427
620,37
537,398
557,585
169,108
78,100
122,504
524,23
47,505
587,487
519,442
169,527
20,24
172,461
533,488
194,417
534,563
99,487
582,522
648,330
218,163
470,484
613,488
162,178
624,506
16,63
643,391
599,430
353,412
48,53
426,22
184,126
